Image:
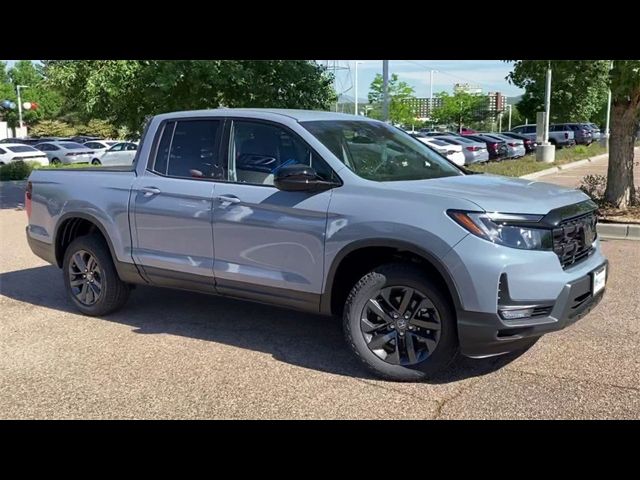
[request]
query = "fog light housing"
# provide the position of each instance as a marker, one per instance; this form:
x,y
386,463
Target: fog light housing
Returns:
x,y
516,313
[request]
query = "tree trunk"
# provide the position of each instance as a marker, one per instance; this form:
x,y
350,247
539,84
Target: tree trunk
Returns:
x,y
620,190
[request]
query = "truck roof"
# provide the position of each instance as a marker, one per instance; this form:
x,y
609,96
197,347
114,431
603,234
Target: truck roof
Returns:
x,y
298,115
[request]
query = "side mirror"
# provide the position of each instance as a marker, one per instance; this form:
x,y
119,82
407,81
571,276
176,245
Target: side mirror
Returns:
x,y
297,178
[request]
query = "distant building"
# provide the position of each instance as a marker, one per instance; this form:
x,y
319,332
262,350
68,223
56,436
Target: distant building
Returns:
x,y
466,88
497,102
424,106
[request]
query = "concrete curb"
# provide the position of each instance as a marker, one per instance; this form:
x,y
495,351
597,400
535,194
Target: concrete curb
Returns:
x,y
568,166
618,231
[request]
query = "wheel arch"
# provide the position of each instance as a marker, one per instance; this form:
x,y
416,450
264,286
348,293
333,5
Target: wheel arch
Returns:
x,y
72,225
330,301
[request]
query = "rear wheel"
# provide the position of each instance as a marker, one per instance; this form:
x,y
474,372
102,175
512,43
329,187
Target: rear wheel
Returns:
x,y
95,161
55,161
399,323
90,276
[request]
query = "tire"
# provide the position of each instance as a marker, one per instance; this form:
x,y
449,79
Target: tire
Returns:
x,y
95,161
113,292
55,161
401,367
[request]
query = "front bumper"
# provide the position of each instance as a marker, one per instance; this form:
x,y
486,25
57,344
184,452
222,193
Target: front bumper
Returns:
x,y
480,270
486,334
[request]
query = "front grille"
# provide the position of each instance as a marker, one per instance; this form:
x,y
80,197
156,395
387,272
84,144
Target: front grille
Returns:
x,y
573,239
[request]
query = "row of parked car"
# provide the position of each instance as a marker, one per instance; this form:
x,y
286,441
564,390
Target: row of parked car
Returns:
x,y
478,147
58,150
470,146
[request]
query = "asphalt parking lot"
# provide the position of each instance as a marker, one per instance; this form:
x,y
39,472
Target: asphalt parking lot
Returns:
x,y
172,354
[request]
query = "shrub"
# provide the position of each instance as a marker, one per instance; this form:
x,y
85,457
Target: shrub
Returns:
x,y
594,186
97,128
16,170
52,128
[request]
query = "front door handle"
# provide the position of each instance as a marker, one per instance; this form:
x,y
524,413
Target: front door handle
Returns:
x,y
148,191
228,199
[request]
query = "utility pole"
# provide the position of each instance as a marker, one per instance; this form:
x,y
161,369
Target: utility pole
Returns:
x,y
509,106
20,105
385,90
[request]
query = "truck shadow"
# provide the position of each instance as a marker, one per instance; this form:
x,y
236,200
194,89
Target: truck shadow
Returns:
x,y
306,340
12,194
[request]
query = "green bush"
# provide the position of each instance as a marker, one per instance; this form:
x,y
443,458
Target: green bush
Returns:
x,y
16,170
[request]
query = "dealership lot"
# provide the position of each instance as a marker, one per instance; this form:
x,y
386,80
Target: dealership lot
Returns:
x,y
172,354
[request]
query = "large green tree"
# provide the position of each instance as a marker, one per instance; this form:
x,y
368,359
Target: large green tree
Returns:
x,y
400,112
460,108
24,72
625,115
578,88
125,92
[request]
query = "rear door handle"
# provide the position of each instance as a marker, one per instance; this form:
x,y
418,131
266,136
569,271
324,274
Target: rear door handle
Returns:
x,y
228,199
148,191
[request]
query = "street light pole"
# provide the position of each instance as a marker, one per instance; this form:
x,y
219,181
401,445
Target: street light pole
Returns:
x,y
431,89
606,129
385,90
20,104
355,109
509,106
546,152
547,106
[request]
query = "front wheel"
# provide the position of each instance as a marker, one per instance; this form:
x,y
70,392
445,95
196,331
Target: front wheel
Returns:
x,y
95,161
55,161
400,324
91,278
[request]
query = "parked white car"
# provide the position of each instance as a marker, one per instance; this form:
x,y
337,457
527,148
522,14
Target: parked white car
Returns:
x,y
99,147
452,152
121,153
473,151
12,152
64,152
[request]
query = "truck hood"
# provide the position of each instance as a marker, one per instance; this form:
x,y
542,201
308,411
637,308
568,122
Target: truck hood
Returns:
x,y
494,193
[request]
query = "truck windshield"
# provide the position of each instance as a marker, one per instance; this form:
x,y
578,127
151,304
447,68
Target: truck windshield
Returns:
x,y
379,152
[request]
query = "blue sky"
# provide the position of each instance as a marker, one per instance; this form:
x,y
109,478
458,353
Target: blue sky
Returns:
x,y
487,74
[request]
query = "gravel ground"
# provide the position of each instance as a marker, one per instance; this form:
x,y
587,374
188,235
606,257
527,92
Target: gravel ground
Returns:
x,y
172,354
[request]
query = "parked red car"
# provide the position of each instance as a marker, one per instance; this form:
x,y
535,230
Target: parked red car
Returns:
x,y
467,131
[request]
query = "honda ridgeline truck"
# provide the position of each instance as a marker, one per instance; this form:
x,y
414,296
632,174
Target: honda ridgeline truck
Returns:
x,y
326,213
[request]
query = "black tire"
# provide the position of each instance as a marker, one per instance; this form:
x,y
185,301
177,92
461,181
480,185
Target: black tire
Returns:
x,y
55,161
95,161
400,274
113,291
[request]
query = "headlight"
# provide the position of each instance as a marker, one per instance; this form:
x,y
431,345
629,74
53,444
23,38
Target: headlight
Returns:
x,y
509,230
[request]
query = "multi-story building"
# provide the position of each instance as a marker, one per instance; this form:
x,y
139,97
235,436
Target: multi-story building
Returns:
x,y
497,102
466,88
424,106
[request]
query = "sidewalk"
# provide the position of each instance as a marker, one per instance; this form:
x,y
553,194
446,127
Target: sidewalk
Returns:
x,y
572,177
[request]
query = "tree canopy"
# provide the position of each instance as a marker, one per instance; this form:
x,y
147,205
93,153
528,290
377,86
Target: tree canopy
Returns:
x,y
460,108
125,92
578,88
400,112
24,72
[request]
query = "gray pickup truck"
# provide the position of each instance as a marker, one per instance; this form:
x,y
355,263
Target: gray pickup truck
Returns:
x,y
327,213
561,137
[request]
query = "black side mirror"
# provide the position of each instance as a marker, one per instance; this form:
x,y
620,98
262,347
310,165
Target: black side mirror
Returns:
x,y
297,178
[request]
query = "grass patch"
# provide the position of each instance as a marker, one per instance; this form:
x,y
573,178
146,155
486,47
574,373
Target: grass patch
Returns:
x,y
528,164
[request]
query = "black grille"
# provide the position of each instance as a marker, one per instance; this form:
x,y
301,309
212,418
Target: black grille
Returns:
x,y
573,239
